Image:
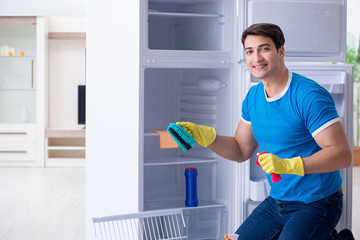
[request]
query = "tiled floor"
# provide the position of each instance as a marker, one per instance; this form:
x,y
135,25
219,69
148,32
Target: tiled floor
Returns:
x,y
41,204
356,203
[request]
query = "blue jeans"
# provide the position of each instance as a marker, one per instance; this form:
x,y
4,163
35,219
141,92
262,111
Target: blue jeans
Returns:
x,y
284,220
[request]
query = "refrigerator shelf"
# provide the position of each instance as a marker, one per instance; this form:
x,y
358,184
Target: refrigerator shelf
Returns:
x,y
180,203
153,13
177,161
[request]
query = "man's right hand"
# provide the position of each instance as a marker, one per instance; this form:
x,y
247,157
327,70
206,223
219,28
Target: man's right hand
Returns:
x,y
204,135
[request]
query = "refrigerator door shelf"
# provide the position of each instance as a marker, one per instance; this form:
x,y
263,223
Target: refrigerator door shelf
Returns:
x,y
314,31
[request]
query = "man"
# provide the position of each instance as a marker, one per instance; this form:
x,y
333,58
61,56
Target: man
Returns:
x,y
295,121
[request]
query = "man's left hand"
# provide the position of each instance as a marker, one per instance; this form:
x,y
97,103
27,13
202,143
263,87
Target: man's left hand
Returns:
x,y
273,164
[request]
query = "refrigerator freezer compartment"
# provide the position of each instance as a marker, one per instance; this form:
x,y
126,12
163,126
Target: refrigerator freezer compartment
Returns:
x,y
201,7
184,34
200,25
207,221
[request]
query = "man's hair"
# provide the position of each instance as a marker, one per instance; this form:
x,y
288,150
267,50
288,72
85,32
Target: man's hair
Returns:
x,y
267,30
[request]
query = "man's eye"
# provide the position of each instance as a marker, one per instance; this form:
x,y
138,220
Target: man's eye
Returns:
x,y
248,52
264,49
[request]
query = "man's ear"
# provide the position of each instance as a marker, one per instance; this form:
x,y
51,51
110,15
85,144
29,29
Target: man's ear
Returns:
x,y
281,52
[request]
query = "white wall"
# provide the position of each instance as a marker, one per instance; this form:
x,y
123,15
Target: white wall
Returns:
x,y
68,8
66,71
112,128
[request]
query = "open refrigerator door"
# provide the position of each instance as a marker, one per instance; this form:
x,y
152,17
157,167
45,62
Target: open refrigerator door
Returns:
x,y
338,80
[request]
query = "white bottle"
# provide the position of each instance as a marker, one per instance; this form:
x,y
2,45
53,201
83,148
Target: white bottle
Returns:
x,y
6,50
2,51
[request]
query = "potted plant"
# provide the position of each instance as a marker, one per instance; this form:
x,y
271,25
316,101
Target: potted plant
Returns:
x,y
353,57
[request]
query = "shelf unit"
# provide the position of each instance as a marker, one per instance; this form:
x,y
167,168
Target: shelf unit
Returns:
x,y
67,35
65,148
65,143
22,89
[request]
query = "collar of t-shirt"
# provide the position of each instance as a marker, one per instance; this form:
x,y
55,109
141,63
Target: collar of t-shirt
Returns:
x,y
282,92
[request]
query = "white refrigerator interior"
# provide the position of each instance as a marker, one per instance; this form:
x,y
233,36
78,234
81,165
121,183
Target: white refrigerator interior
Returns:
x,y
191,69
203,96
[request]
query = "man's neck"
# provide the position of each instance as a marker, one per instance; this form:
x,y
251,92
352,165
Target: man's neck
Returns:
x,y
277,83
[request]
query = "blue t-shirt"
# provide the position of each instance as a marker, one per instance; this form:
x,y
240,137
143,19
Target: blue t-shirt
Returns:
x,y
286,125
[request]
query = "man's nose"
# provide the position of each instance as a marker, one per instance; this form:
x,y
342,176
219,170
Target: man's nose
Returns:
x,y
257,56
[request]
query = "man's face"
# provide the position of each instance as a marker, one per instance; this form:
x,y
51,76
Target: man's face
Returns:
x,y
262,58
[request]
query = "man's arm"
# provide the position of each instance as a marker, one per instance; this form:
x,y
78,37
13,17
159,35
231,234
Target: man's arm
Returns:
x,y
335,153
238,148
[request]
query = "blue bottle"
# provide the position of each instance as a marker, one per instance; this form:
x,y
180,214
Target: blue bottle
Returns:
x,y
191,187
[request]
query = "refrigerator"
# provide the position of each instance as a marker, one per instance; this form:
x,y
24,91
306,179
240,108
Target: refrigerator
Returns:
x,y
192,68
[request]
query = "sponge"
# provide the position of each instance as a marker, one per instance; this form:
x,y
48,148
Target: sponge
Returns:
x,y
181,137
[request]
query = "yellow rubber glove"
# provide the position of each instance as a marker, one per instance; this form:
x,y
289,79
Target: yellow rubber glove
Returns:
x,y
273,164
204,135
